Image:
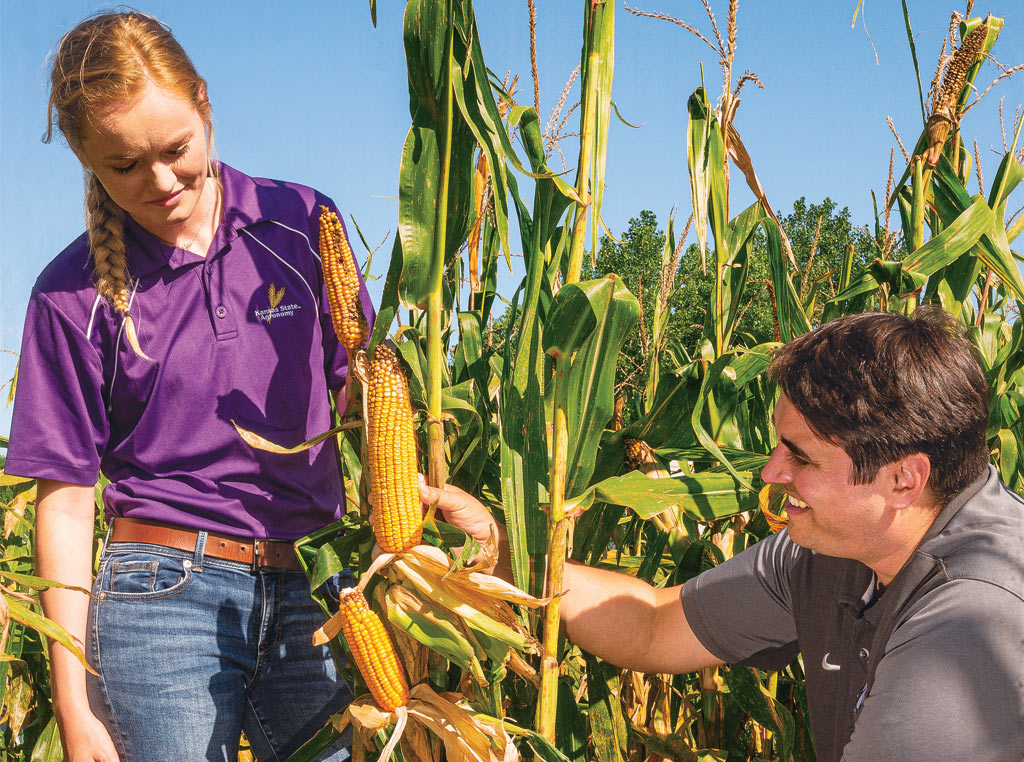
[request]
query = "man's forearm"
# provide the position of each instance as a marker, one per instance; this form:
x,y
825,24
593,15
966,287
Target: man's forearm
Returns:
x,y
629,623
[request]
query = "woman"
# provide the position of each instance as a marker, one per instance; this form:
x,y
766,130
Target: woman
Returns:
x,y
194,301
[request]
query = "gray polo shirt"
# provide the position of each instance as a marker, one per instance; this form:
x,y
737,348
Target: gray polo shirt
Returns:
x,y
932,669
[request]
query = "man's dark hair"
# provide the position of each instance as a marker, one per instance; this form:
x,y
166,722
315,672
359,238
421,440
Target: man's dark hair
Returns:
x,y
883,386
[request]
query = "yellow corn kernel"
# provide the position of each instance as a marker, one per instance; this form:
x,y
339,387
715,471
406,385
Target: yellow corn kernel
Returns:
x,y
342,280
637,453
373,651
391,451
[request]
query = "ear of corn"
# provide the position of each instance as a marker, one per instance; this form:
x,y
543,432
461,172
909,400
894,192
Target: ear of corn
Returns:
x,y
391,449
342,280
373,652
958,68
946,110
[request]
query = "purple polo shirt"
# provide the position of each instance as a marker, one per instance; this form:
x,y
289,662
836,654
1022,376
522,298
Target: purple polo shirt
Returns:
x,y
243,335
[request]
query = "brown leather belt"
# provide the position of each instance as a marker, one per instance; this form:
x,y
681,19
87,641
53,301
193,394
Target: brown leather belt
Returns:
x,y
257,553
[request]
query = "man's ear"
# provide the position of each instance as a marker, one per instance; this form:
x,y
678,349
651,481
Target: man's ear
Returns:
x,y
910,479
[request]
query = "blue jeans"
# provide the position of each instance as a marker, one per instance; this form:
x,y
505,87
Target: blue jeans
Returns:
x,y
192,650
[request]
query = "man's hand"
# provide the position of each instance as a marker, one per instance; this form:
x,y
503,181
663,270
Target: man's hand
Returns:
x,y
465,512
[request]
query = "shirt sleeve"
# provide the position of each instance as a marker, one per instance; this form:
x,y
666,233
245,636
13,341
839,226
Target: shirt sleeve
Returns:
x,y
742,611
336,359
951,682
59,426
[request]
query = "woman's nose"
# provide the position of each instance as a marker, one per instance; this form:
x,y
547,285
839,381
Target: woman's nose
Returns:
x,y
163,176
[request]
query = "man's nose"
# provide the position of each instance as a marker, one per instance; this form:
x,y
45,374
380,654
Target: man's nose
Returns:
x,y
776,471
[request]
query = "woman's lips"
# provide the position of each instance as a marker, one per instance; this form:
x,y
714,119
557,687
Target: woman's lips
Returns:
x,y
168,200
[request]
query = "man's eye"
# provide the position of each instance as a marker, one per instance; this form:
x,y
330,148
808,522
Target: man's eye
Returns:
x,y
795,459
179,152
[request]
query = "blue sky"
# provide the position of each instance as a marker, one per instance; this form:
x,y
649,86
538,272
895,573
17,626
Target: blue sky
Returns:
x,y
310,91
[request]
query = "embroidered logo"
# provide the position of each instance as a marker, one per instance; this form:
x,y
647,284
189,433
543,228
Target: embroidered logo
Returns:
x,y
277,310
829,666
275,296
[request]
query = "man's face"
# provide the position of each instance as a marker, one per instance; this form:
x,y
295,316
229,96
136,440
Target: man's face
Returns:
x,y
827,512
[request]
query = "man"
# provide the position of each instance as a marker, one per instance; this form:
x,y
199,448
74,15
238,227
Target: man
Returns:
x,y
900,575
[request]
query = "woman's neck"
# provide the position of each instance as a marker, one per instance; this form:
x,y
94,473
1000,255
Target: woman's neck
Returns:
x,y
195,234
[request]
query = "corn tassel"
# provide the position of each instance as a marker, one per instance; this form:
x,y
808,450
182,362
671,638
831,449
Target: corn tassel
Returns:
x,y
373,652
391,447
342,280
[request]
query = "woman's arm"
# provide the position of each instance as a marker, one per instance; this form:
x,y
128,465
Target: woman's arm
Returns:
x,y
619,618
64,532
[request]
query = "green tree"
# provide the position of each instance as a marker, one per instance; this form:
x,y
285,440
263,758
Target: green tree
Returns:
x,y
636,258
819,234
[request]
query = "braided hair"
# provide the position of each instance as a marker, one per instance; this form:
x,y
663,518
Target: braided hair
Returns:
x,y
109,57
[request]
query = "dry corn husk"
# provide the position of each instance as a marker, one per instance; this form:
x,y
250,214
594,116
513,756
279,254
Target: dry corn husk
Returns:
x,y
770,500
466,737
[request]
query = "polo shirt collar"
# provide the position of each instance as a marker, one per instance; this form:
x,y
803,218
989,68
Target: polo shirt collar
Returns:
x,y
240,208
922,564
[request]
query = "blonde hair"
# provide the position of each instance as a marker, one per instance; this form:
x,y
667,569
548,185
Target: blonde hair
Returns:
x,y
106,58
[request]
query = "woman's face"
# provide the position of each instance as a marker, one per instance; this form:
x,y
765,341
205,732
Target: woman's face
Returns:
x,y
149,153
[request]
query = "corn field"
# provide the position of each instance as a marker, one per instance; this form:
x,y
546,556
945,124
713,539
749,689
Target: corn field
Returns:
x,y
514,400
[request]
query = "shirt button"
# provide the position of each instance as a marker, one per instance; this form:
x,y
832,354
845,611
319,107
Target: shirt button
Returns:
x,y
221,311
863,654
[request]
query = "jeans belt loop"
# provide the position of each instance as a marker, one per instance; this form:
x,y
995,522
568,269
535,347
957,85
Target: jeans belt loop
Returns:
x,y
200,551
106,537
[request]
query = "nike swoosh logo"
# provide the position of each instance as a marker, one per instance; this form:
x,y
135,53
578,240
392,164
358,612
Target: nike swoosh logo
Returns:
x,y
828,666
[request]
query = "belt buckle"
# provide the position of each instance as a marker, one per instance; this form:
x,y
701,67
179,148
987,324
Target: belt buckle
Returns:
x,y
257,551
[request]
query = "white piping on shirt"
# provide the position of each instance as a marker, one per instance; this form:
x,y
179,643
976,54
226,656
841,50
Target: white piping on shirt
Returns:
x,y
309,243
316,302
92,316
117,344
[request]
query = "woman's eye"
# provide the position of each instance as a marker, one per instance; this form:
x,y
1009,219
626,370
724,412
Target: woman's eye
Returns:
x,y
124,170
179,152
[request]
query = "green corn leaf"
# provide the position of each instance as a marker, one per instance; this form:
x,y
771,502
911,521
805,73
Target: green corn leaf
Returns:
x,y
609,732
524,447
19,612
791,317
740,366
436,633
705,163
746,689
476,103
1008,460
312,749
913,56
588,322
957,239
48,747
38,583
704,496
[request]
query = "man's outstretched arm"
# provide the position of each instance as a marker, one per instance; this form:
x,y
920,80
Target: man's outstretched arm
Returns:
x,y
619,618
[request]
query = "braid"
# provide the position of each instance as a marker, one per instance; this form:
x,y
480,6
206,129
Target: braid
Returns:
x,y
105,223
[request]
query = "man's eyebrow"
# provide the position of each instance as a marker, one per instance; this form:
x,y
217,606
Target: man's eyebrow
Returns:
x,y
792,447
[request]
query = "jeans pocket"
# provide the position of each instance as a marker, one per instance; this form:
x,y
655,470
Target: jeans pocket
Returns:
x,y
130,575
